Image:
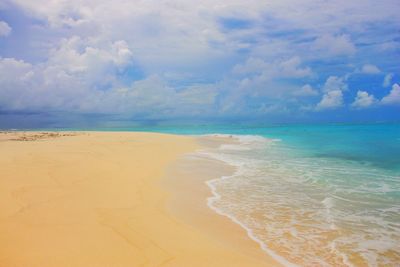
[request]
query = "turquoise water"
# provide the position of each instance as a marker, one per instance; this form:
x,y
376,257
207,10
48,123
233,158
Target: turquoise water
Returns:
x,y
377,144
312,195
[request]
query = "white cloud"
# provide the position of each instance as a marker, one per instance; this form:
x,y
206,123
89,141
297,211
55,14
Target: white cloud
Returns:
x,y
67,83
370,69
363,100
259,78
305,91
5,29
36,87
387,81
252,65
393,98
80,54
292,68
331,100
93,70
288,68
334,83
89,63
340,45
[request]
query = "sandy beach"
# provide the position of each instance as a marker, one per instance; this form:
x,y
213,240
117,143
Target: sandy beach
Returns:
x,y
113,199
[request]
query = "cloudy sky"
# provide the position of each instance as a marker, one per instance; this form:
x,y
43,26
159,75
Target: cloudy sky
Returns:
x,y
272,60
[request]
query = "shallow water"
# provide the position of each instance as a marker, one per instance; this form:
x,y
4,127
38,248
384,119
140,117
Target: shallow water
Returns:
x,y
314,204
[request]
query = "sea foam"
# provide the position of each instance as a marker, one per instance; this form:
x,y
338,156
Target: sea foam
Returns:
x,y
291,202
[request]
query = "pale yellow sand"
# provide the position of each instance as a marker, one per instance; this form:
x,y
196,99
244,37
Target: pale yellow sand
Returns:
x,y
102,199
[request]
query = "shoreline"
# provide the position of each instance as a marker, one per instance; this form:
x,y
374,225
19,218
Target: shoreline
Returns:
x,y
99,199
219,170
193,206
229,140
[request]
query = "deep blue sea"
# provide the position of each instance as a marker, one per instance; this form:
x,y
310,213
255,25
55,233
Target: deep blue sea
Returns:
x,y
311,195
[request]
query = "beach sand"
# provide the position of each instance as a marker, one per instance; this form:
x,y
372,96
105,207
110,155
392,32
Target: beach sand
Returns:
x,y
113,199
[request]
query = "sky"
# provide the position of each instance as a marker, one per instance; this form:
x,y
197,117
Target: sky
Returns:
x,y
82,61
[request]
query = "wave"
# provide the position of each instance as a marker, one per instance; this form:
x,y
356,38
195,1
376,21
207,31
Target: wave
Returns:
x,y
244,142
323,198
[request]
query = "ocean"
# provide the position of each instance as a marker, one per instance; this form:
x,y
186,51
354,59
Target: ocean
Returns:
x,y
316,195
311,195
